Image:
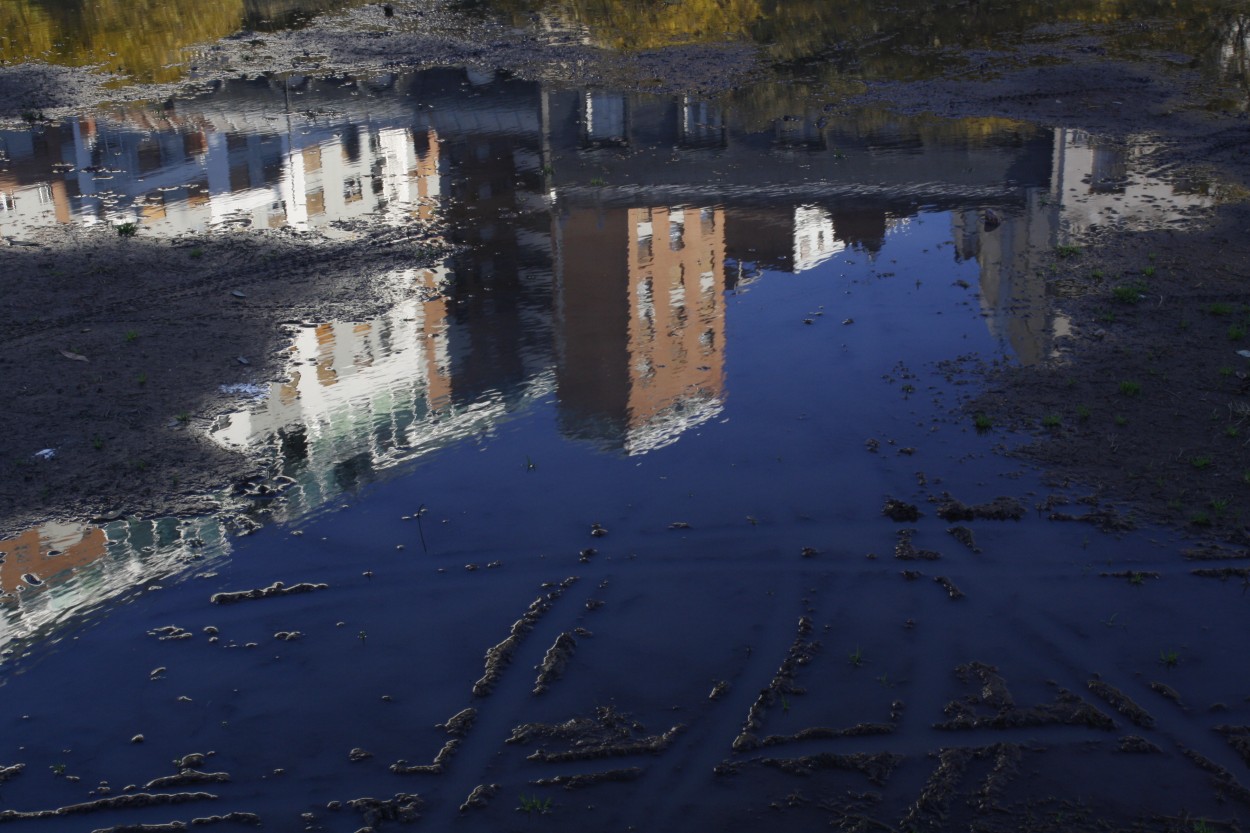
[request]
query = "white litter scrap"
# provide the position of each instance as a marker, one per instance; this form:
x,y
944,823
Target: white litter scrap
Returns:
x,y
45,453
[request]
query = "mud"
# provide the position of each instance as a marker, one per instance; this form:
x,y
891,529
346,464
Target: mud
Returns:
x,y
459,724
577,782
801,653
553,663
999,509
651,745
964,535
897,510
1122,703
272,591
994,707
905,550
131,801
949,586
1137,745
877,767
436,767
9,772
402,807
186,778
480,797
826,733
499,656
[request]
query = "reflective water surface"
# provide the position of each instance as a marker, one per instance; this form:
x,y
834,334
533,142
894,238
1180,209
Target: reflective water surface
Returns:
x,y
653,404
603,235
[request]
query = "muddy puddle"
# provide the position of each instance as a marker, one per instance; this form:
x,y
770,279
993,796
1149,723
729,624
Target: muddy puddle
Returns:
x,y
582,526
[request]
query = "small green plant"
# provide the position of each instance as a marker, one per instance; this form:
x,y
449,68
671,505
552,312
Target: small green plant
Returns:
x,y
1219,505
1200,463
141,465
132,336
1236,333
362,636
1169,658
1130,388
1097,274
1121,420
785,704
1148,271
598,181
1200,518
1137,579
1226,371
1127,293
1082,413
58,769
1200,826
97,442
534,804
885,681
1231,430
1067,251
196,253
142,378
1051,421
983,423
127,229
1106,316
1220,308
183,417
856,657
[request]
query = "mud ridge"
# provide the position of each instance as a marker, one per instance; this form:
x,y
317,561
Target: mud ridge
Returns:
x,y
556,658
272,591
498,656
877,766
117,802
577,782
801,652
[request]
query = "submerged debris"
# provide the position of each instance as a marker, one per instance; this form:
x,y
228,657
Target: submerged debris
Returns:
x,y
480,797
498,656
553,663
275,589
575,782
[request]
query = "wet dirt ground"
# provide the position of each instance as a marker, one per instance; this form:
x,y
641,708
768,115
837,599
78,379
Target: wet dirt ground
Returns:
x,y
698,436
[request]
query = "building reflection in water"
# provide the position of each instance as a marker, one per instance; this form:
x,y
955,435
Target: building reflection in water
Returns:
x,y
599,233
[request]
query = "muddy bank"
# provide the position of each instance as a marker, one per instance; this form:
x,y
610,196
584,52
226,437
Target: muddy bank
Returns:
x,y
1148,399
125,350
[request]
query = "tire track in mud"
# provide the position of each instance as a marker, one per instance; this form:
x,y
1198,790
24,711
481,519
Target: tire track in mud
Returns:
x,y
1169,722
479,759
689,766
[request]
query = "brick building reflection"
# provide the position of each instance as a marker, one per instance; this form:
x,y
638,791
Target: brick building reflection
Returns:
x,y
641,323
